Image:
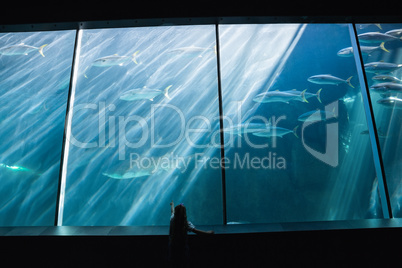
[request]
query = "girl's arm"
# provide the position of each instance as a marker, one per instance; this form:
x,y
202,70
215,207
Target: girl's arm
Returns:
x,y
192,228
201,232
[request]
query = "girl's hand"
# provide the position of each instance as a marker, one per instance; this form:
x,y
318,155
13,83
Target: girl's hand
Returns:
x,y
171,207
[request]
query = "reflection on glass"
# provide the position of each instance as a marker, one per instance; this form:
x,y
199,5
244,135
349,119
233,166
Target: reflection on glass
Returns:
x,y
294,126
35,74
383,66
145,123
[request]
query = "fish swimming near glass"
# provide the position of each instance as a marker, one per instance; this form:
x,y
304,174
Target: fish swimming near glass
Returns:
x,y
395,32
387,87
391,103
189,52
247,128
381,134
363,26
275,132
129,174
38,108
18,168
145,94
365,50
113,60
386,78
134,172
152,165
327,79
381,67
316,115
21,49
286,96
375,37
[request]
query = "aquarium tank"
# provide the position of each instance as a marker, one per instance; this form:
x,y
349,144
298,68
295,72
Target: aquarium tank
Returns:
x,y
242,123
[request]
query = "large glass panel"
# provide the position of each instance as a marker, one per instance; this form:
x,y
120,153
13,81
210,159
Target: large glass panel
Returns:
x,y
381,48
295,128
145,120
34,81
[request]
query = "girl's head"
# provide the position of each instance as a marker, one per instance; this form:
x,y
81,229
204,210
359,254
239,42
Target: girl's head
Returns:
x,y
180,212
180,220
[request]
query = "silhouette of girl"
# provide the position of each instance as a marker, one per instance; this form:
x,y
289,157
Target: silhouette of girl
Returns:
x,y
179,226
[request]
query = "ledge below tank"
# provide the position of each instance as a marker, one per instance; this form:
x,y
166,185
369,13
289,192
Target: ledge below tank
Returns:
x,y
281,244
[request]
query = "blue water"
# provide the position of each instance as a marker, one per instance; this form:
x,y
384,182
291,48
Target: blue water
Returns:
x,y
128,159
309,187
144,130
33,95
388,120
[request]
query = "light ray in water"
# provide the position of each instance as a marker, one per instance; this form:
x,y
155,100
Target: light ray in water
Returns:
x,y
15,168
21,169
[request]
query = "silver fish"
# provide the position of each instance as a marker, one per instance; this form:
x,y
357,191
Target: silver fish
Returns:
x,y
391,103
387,87
152,166
113,60
386,78
327,79
381,67
144,94
20,49
374,37
285,96
395,32
275,132
348,52
129,174
363,26
246,128
316,115
189,52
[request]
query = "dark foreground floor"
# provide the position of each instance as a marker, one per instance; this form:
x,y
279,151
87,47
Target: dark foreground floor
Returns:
x,y
323,248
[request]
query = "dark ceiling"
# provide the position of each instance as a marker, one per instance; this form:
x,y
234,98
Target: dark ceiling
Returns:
x,y
67,11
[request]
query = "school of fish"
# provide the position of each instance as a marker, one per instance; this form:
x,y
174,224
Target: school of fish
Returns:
x,y
385,83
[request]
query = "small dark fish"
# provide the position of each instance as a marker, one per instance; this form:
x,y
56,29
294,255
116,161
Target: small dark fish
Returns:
x,y
380,133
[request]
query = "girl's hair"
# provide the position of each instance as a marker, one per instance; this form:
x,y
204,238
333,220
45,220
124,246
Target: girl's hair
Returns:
x,y
180,224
